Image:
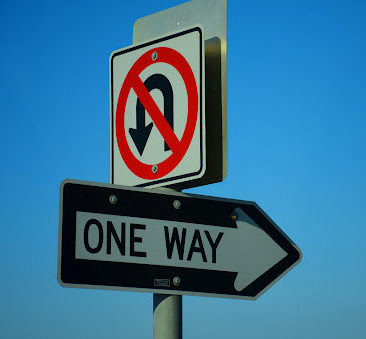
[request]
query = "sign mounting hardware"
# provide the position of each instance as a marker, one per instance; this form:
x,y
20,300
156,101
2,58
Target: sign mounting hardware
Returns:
x,y
157,111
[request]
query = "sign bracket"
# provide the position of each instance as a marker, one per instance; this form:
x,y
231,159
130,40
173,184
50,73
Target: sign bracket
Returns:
x,y
212,16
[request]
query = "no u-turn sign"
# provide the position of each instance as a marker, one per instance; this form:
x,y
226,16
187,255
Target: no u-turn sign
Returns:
x,y
157,111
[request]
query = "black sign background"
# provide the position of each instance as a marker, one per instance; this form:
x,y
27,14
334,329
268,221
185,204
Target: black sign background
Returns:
x,y
156,204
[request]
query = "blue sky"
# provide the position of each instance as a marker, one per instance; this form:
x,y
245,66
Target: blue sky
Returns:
x,y
296,146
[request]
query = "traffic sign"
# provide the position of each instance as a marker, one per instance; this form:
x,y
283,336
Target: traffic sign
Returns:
x,y
115,237
157,111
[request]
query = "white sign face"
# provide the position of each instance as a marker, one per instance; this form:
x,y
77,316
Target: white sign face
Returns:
x,y
246,250
157,111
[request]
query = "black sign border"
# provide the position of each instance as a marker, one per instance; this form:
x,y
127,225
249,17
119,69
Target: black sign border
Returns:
x,y
157,204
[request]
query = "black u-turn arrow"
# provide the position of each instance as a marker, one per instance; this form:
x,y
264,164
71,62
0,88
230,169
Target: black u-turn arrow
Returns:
x,y
141,133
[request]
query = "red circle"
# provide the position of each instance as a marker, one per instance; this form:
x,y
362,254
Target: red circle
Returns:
x,y
175,59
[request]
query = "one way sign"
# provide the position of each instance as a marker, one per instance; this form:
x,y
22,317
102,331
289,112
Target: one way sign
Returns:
x,y
157,111
157,241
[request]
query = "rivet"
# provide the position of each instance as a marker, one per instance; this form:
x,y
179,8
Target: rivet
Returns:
x,y
177,204
176,281
113,199
154,56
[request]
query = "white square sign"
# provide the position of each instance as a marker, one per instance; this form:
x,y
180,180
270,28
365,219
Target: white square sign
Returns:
x,y
157,111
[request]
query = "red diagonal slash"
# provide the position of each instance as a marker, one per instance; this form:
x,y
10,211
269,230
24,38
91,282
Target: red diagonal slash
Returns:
x,y
158,118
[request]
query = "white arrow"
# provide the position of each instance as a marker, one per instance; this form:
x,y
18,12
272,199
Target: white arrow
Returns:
x,y
246,250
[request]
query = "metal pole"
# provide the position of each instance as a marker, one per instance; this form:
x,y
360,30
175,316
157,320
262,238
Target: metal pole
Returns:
x,y
167,311
167,316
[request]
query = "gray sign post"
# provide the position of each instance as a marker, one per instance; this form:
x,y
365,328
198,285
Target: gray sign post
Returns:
x,y
167,316
212,15
167,313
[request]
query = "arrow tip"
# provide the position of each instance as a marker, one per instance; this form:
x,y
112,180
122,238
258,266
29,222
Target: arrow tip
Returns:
x,y
259,252
140,136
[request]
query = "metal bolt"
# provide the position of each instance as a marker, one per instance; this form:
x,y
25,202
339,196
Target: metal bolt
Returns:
x,y
154,56
176,281
154,168
113,199
177,204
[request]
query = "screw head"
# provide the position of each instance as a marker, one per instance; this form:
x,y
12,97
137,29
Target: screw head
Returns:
x,y
113,199
177,281
154,168
177,204
154,56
